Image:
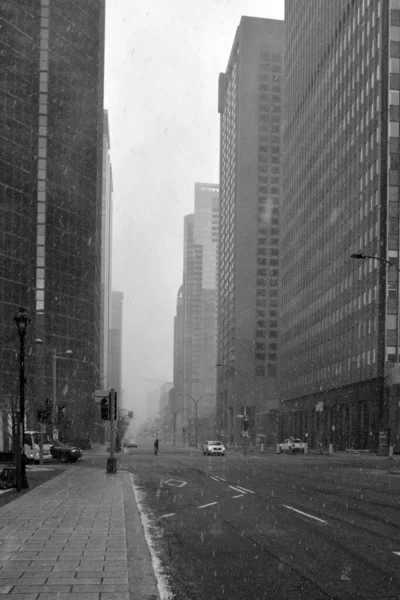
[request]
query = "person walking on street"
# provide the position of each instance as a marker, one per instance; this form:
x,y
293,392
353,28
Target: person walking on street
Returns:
x,y
156,446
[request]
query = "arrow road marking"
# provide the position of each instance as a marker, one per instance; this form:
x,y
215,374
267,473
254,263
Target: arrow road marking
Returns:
x,y
168,515
238,496
215,478
205,505
176,482
304,514
398,553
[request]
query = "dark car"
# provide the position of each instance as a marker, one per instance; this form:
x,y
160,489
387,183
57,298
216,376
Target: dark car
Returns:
x,y
65,453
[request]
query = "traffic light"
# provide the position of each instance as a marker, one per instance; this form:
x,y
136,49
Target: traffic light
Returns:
x,y
104,409
115,406
48,411
245,424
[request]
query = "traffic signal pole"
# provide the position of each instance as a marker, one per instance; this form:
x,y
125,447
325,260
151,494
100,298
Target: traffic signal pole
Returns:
x,y
112,461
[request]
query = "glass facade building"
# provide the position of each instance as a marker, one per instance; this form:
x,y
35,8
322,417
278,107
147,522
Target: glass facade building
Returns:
x,y
339,328
50,205
249,104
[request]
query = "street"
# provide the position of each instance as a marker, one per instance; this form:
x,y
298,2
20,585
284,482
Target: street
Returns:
x,y
273,526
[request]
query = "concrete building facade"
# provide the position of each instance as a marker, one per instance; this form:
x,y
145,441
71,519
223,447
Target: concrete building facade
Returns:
x,y
249,103
340,325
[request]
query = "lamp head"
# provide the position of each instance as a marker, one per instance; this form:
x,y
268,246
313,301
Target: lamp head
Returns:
x,y
22,319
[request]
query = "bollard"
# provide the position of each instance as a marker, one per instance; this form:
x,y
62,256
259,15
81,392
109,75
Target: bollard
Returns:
x,y
330,450
262,447
391,449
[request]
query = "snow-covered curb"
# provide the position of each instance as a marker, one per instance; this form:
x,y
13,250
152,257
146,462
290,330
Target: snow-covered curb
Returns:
x,y
151,534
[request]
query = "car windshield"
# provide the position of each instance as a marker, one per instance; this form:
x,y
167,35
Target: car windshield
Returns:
x,y
215,443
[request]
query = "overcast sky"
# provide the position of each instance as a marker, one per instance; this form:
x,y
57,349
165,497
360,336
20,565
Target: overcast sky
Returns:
x,y
161,72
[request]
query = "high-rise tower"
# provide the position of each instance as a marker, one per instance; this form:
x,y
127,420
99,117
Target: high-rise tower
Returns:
x,y
339,322
50,198
250,147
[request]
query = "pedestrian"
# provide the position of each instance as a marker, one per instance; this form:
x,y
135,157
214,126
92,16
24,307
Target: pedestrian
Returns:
x,y
156,446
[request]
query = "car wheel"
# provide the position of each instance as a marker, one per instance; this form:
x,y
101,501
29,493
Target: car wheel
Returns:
x,y
223,454
64,457
74,460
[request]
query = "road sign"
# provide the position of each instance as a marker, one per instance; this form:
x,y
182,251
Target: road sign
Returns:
x,y
319,407
55,434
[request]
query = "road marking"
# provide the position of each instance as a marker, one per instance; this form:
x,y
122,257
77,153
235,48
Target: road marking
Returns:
x,y
398,553
176,482
220,478
236,489
215,478
239,496
8,490
303,513
245,489
205,505
168,515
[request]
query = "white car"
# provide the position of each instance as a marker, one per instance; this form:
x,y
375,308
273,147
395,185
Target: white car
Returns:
x,y
211,447
291,445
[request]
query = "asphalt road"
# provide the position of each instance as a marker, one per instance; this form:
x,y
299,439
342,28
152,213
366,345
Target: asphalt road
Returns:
x,y
274,527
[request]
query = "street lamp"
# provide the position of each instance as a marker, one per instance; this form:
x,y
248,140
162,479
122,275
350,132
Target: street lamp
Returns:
x,y
361,256
174,412
244,377
196,401
55,357
22,320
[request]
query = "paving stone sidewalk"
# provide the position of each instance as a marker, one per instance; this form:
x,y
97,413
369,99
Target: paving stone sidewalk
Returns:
x,y
76,537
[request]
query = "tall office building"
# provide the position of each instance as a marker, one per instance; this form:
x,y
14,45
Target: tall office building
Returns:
x,y
195,321
115,345
340,326
50,199
106,254
249,104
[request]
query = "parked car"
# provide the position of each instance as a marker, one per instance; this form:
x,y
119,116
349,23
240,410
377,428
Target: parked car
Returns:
x,y
291,445
32,447
211,447
65,453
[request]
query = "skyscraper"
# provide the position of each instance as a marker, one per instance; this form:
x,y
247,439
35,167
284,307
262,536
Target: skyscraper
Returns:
x,y
50,197
106,254
195,322
249,103
339,325
115,345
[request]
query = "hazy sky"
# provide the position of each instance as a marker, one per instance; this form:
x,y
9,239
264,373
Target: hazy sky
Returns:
x,y
161,74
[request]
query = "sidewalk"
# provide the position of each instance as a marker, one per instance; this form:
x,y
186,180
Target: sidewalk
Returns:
x,y
76,537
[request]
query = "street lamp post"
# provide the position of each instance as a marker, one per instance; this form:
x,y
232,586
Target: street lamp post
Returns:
x,y
174,412
55,357
244,377
196,402
22,320
361,256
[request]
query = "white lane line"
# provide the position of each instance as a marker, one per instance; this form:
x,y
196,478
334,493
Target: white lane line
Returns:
x,y
167,515
5,491
205,505
398,553
238,496
220,478
215,478
235,489
303,513
244,489
151,533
